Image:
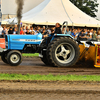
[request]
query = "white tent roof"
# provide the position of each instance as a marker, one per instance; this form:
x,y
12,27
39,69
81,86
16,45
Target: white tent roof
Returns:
x,y
50,12
10,6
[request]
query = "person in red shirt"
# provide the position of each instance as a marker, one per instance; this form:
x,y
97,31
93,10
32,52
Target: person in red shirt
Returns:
x,y
21,31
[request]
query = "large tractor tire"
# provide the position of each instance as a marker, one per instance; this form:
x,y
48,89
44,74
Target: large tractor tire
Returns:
x,y
44,58
4,57
43,45
63,52
14,58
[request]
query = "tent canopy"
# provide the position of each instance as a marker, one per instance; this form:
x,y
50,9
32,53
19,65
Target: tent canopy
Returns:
x,y
50,12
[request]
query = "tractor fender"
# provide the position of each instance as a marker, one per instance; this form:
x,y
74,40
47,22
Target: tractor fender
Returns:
x,y
61,35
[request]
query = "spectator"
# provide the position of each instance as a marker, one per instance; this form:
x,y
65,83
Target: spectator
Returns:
x,y
44,28
10,30
48,30
74,31
43,32
15,31
24,29
32,33
99,31
76,34
91,33
15,27
39,29
21,31
35,29
98,36
31,29
88,36
28,32
52,31
7,29
27,28
94,36
68,31
82,35
4,32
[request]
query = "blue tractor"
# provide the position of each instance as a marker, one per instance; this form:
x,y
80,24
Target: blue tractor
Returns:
x,y
61,50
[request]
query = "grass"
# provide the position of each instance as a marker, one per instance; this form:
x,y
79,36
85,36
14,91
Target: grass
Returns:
x,y
30,54
50,77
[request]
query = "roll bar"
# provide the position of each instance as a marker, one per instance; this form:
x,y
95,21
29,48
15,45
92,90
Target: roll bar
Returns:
x,y
65,22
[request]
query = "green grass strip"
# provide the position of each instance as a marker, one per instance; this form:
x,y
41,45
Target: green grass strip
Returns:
x,y
50,77
30,54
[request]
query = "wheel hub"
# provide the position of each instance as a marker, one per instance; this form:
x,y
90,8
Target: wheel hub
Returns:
x,y
64,53
14,58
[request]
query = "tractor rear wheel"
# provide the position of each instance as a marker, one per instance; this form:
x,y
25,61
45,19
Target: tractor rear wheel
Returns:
x,y
14,58
63,52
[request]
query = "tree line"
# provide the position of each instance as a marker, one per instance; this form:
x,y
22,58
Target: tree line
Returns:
x,y
90,7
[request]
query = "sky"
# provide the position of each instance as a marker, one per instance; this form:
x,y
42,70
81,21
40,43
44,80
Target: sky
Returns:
x,y
98,14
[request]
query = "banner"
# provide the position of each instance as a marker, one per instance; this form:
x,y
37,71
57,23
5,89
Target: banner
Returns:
x,y
2,43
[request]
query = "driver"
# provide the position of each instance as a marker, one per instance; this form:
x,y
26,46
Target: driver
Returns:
x,y
56,31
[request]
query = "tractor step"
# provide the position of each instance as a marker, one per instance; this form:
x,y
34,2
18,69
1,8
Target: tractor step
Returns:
x,y
1,50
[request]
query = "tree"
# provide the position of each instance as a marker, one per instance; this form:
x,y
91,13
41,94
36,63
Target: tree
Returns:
x,y
87,6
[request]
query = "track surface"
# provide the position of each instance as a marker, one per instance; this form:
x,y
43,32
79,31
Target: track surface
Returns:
x,y
41,90
36,66
38,90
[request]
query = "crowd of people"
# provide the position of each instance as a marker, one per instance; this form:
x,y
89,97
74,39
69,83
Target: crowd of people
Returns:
x,y
76,33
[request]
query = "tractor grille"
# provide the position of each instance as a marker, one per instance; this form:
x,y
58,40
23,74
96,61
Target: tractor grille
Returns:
x,y
6,41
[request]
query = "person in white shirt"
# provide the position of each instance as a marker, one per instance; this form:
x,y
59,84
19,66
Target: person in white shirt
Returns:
x,y
15,31
91,33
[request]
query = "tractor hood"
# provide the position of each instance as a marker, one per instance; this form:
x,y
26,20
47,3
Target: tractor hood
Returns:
x,y
17,42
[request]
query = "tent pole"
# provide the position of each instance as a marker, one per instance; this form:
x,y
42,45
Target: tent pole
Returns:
x,y
97,27
18,26
72,25
47,24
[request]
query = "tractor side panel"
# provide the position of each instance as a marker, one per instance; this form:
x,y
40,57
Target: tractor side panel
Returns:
x,y
17,42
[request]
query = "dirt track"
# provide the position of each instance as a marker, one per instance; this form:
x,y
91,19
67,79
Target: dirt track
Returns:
x,y
36,66
38,90
47,90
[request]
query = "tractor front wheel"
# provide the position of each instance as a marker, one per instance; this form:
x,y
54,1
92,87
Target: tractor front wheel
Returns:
x,y
14,58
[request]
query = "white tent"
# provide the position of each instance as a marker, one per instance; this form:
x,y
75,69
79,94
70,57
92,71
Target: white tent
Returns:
x,y
10,6
50,12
